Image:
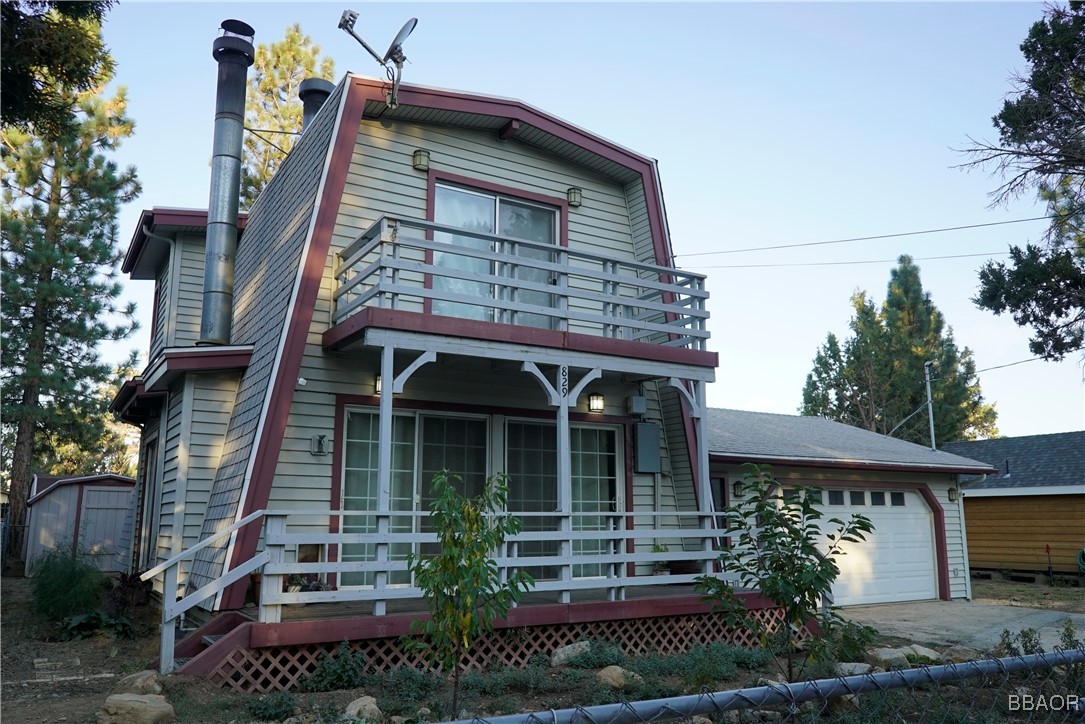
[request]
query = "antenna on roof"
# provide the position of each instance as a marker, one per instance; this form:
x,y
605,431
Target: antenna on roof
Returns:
x,y
394,55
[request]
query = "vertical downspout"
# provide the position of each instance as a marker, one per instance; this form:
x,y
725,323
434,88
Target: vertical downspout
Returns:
x,y
234,53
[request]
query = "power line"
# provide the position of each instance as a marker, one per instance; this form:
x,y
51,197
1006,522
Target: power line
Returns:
x,y
1022,361
839,263
879,236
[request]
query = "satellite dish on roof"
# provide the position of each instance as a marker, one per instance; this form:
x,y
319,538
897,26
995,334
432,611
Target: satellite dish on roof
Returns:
x,y
394,55
395,50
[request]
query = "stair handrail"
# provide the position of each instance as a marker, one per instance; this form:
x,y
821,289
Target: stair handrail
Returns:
x,y
172,609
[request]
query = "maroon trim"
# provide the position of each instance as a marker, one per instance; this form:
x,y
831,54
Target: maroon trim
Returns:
x,y
105,481
352,330
516,110
267,448
192,645
78,520
436,176
296,633
508,130
203,663
205,359
165,216
845,464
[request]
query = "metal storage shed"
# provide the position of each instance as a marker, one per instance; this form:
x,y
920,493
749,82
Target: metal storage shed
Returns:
x,y
84,512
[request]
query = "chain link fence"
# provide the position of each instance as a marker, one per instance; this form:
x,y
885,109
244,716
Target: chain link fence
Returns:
x,y
1048,687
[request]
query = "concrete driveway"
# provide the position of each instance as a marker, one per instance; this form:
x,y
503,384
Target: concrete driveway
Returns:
x,y
946,623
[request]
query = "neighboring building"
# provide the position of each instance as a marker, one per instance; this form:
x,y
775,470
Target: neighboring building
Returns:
x,y
1032,502
86,513
910,493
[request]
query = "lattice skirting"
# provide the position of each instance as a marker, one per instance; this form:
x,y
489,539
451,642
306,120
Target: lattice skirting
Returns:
x,y
285,667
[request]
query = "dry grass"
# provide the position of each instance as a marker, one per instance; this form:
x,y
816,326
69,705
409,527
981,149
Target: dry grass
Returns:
x,y
998,591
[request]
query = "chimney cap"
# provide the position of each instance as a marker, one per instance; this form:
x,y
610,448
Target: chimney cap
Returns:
x,y
238,27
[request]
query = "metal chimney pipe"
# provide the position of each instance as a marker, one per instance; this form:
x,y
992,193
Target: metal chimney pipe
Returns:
x,y
313,92
234,53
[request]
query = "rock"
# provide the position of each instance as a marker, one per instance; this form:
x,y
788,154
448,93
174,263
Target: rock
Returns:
x,y
853,669
616,677
891,658
136,709
925,652
141,682
843,704
399,719
764,681
699,720
562,655
957,654
423,714
365,708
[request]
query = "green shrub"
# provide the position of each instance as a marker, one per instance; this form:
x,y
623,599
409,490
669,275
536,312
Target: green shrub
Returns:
x,y
847,640
600,655
404,689
344,670
66,584
85,625
276,706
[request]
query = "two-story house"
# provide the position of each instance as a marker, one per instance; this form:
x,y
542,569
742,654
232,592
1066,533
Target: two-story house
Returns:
x,y
457,282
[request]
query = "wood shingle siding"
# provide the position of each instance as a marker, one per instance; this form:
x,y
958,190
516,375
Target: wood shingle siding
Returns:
x,y
266,274
1012,532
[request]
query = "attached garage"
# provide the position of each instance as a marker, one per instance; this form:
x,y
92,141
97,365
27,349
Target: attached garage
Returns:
x,y
918,549
86,513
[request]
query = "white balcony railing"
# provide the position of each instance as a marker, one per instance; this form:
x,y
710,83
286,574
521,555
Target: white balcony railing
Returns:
x,y
502,279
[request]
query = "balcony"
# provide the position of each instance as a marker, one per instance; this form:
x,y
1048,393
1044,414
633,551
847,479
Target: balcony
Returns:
x,y
537,292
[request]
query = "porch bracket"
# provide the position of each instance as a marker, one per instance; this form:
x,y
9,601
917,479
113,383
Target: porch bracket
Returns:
x,y
423,359
554,395
695,409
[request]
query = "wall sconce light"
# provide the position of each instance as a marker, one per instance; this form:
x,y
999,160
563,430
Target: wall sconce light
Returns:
x,y
420,160
953,495
377,385
736,489
575,196
595,403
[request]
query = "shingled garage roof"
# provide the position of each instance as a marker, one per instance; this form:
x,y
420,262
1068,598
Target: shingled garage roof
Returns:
x,y
764,437
1031,461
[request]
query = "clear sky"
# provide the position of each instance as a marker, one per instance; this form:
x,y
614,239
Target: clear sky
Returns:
x,y
772,123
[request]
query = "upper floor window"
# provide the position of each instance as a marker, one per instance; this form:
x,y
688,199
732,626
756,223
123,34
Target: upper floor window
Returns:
x,y
484,278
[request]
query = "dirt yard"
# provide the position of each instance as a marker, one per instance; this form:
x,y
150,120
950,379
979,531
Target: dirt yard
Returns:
x,y
998,591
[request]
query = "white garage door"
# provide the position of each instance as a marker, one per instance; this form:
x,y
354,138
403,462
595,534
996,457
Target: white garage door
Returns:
x,y
896,562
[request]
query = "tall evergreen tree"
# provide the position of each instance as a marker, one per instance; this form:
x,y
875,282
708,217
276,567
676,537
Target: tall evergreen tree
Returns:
x,y
274,109
875,380
1041,148
46,46
59,261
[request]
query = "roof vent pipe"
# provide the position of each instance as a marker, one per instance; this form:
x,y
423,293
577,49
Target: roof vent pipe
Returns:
x,y
234,53
313,92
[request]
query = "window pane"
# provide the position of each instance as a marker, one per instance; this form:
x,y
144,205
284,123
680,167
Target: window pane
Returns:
x,y
896,498
877,497
474,212
858,497
836,497
531,223
814,495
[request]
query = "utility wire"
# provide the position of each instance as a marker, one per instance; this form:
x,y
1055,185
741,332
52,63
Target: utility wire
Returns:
x,y
265,139
840,263
879,236
1022,361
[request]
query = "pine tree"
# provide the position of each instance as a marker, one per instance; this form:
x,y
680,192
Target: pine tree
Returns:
x,y
59,262
876,379
274,109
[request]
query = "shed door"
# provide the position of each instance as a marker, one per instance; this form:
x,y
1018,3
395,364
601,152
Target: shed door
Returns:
x,y
101,522
896,562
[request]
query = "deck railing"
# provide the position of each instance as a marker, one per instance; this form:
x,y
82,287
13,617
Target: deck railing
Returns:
x,y
402,263
605,556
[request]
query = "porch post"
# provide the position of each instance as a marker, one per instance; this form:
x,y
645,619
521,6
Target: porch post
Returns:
x,y
384,469
565,478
